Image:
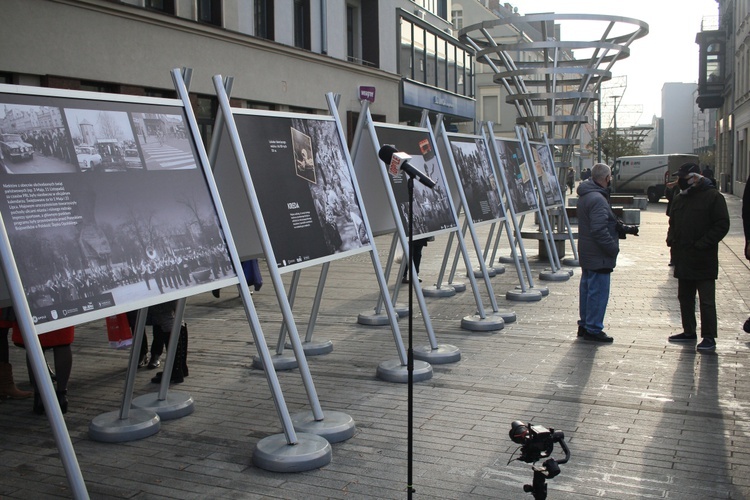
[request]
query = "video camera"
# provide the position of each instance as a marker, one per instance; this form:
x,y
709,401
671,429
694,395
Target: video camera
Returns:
x,y
625,229
537,442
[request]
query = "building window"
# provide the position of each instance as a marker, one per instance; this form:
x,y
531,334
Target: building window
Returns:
x,y
352,33
302,24
264,19
457,18
166,6
209,11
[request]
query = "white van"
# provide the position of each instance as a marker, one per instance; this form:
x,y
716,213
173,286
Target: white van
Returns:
x,y
646,174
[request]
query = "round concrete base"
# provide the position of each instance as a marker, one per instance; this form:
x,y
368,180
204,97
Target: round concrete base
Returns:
x,y
476,323
394,371
498,269
369,318
176,405
458,287
508,316
335,426
570,261
445,353
275,454
549,275
315,347
281,362
529,295
110,428
478,272
506,260
443,291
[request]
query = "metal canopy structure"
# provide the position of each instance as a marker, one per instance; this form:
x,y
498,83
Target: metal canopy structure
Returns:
x,y
552,82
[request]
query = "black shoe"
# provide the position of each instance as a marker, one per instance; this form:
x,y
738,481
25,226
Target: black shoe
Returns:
x,y
707,345
581,331
176,378
38,405
62,398
746,326
153,364
143,361
683,337
597,337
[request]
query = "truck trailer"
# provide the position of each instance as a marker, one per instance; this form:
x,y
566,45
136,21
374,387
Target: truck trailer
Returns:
x,y
647,174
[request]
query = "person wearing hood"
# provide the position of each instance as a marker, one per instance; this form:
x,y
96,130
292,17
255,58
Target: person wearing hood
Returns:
x,y
698,221
598,246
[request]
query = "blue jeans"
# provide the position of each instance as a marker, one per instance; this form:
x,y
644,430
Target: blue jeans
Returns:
x,y
593,298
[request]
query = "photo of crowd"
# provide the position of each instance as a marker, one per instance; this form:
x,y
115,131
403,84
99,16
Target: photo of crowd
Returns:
x,y
477,178
516,173
548,179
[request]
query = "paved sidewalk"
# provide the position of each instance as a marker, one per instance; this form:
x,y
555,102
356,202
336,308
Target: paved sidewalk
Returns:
x,y
643,418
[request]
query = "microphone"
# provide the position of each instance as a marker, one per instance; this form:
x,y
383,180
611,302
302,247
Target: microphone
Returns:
x,y
400,161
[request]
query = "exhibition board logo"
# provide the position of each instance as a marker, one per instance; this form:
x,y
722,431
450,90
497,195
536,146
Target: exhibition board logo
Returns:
x,y
367,94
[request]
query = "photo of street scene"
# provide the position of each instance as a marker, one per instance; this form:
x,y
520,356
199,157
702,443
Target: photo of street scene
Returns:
x,y
433,212
303,155
33,140
103,140
84,243
477,179
164,141
548,179
516,172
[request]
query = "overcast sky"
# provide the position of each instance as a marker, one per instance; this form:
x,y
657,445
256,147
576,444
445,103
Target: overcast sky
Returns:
x,y
667,54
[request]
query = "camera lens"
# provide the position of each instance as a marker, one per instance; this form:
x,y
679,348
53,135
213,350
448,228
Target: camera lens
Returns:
x,y
518,431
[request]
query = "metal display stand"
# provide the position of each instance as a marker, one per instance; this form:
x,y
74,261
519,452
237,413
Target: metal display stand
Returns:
x,y
277,452
556,273
529,293
507,316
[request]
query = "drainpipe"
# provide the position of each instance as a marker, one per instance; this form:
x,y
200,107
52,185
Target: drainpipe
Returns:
x,y
323,27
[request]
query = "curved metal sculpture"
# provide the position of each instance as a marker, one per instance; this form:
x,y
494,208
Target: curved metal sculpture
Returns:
x,y
552,93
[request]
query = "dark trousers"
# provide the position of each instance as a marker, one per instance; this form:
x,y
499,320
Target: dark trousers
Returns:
x,y
706,289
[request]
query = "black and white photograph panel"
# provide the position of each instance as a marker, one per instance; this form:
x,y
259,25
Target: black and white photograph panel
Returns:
x,y
101,138
34,140
477,179
433,212
164,142
310,209
548,178
303,155
517,175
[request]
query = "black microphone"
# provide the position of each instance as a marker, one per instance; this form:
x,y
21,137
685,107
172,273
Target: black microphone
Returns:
x,y
400,161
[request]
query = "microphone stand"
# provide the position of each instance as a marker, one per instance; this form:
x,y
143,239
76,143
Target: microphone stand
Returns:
x,y
410,351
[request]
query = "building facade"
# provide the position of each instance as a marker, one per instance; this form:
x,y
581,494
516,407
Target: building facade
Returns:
x,y
283,55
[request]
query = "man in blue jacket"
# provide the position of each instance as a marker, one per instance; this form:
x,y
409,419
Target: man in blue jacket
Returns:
x,y
698,221
598,246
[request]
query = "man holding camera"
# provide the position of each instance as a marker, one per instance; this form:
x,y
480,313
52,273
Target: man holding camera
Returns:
x,y
599,233
698,221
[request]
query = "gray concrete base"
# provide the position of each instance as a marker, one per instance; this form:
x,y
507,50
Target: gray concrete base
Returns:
x,y
335,426
394,371
542,289
177,404
570,261
369,318
478,272
281,362
314,347
444,354
458,287
275,454
499,269
110,428
476,323
508,316
529,295
549,275
506,260
443,291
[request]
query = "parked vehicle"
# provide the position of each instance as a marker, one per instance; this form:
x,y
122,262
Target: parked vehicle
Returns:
x,y
111,152
132,158
646,174
15,148
88,158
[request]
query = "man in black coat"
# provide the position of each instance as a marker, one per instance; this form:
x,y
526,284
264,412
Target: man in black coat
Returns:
x,y
746,227
698,221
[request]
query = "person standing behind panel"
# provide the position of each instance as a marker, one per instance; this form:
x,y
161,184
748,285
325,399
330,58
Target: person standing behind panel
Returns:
x,y
598,246
698,221
746,227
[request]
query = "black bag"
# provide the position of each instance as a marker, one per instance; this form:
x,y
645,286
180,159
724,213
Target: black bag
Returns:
x,y
180,359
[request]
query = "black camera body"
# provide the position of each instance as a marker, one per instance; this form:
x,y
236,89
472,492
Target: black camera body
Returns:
x,y
625,229
536,441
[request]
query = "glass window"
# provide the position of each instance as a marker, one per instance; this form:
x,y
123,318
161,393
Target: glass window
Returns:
x,y
264,19
166,6
209,11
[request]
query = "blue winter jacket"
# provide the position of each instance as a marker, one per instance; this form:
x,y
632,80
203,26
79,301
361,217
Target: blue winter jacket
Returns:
x,y
598,243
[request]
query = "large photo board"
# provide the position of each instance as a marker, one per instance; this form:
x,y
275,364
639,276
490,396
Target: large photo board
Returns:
x,y
521,189
477,177
304,187
105,204
544,166
433,213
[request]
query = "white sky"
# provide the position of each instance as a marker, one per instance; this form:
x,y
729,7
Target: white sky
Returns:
x,y
668,53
